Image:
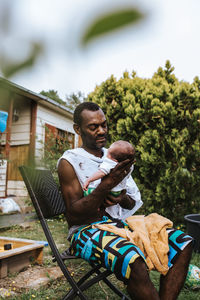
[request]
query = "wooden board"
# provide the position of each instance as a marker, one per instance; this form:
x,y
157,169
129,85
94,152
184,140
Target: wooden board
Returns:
x,y
18,156
22,253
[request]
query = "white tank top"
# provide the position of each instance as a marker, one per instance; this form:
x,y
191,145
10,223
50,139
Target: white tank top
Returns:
x,y
85,164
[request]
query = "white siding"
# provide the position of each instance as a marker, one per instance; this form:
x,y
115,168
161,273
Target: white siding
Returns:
x,y
17,188
20,130
45,115
3,168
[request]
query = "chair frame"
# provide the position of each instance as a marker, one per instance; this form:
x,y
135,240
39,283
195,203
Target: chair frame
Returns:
x,y
35,185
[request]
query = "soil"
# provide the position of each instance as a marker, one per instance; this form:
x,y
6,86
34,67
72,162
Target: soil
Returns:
x,y
32,278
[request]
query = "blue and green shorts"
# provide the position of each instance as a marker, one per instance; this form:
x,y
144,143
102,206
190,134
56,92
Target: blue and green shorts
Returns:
x,y
115,253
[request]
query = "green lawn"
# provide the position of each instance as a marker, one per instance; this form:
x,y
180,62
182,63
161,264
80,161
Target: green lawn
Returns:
x,y
57,289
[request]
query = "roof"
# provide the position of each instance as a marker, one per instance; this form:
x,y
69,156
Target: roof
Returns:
x,y
43,100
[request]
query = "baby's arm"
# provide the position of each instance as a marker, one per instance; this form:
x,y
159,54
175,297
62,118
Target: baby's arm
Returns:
x,y
97,175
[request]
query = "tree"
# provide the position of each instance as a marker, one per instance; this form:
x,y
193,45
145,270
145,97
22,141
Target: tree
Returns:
x,y
74,99
52,94
161,117
71,101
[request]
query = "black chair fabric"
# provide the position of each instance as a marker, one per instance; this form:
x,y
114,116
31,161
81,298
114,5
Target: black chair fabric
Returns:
x,y
48,202
46,191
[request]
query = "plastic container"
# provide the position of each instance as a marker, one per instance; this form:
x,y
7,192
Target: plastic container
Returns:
x,y
3,120
193,229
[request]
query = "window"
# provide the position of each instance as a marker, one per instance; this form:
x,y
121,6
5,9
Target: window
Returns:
x,y
57,139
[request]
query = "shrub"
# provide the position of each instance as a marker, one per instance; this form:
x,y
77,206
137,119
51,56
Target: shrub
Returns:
x,y
54,146
161,117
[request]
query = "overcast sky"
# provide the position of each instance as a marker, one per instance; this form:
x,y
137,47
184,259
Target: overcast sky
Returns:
x,y
169,31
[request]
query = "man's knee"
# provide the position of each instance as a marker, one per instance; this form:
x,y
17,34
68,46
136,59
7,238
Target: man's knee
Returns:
x,y
186,253
139,270
190,247
140,285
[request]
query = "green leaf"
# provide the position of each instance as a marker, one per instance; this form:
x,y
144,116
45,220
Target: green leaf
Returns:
x,y
110,22
10,68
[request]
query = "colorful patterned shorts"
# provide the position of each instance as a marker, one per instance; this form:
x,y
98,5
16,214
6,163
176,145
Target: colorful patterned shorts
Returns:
x,y
116,253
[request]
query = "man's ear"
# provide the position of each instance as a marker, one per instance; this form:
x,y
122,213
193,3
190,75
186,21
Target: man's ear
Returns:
x,y
77,129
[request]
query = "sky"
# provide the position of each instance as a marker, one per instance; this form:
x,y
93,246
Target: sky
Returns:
x,y
169,31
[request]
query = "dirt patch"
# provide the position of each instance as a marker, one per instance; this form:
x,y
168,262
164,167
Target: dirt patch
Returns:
x,y
32,278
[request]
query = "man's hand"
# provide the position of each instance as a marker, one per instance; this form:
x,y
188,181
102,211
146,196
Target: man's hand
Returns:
x,y
116,175
123,200
112,200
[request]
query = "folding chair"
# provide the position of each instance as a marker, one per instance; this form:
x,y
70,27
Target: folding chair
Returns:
x,y
48,202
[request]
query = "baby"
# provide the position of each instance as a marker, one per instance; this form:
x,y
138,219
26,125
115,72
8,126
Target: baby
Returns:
x,y
117,152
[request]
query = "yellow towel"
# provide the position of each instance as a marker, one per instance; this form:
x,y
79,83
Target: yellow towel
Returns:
x,y
150,235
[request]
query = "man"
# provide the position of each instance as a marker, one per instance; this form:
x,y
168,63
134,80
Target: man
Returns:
x,y
122,257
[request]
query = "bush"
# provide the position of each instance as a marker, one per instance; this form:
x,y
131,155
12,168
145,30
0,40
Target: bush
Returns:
x,y
54,147
161,117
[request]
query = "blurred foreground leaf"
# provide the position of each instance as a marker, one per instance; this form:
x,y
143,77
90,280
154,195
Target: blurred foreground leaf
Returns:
x,y
9,67
110,22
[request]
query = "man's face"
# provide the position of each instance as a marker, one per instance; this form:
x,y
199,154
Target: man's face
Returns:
x,y
93,129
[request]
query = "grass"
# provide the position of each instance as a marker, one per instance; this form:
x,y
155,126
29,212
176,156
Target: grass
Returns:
x,y
57,289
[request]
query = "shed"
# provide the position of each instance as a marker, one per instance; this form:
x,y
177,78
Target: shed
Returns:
x,y
29,116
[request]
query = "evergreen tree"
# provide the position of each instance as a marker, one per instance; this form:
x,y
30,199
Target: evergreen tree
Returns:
x,y
52,94
74,99
71,101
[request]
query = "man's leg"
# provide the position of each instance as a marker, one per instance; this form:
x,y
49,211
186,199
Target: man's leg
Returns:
x,y
140,286
171,284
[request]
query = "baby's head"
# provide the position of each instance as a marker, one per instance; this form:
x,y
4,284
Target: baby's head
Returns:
x,y
121,150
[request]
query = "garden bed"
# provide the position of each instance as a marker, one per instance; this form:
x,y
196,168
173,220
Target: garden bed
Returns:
x,y
19,254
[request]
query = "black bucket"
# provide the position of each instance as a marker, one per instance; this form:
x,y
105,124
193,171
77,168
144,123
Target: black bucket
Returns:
x,y
193,229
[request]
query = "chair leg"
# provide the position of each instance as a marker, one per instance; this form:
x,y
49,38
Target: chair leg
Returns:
x,y
115,289
74,294
86,284
83,284
112,286
94,270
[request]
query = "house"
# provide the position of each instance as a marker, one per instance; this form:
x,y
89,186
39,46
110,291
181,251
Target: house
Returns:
x,y
31,117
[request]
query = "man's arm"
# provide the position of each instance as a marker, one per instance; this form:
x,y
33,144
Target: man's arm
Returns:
x,y
80,209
